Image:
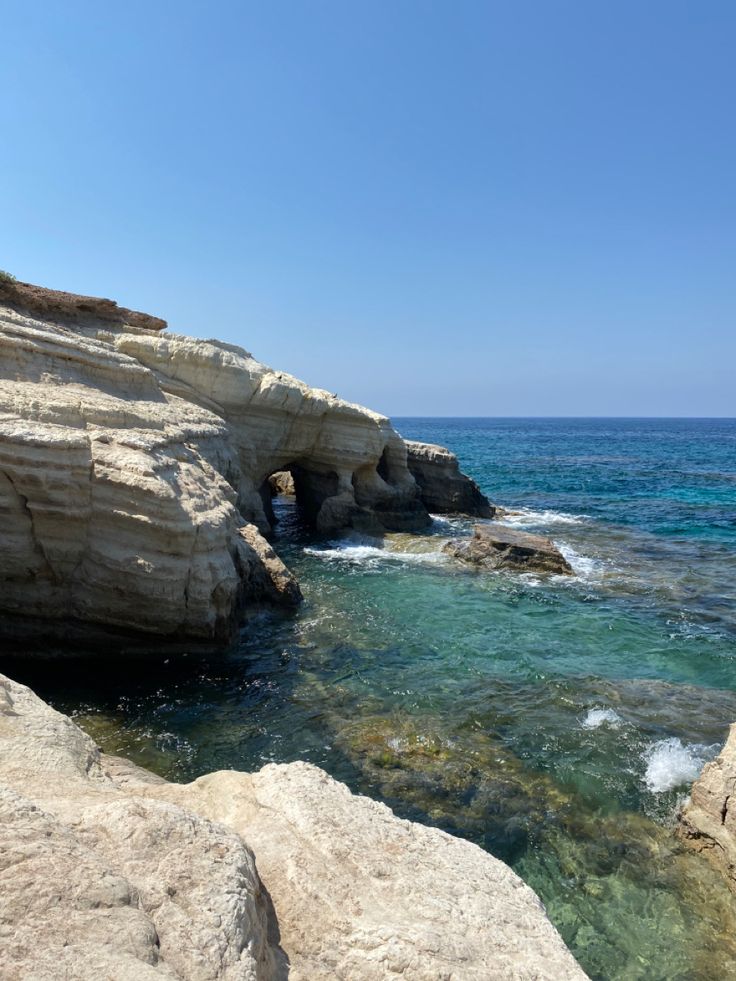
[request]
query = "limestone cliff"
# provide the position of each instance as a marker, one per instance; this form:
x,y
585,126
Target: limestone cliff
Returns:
x,y
109,872
444,489
135,466
707,823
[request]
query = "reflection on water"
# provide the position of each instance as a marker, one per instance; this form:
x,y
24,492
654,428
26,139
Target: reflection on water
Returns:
x,y
556,722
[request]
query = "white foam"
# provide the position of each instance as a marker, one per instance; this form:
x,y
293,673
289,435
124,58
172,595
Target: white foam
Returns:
x,y
602,716
528,518
670,763
370,555
582,565
441,523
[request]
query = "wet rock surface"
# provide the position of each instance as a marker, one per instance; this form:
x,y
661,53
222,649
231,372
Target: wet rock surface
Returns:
x,y
495,547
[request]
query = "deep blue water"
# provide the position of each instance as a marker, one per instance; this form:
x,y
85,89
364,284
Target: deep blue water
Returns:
x,y
557,722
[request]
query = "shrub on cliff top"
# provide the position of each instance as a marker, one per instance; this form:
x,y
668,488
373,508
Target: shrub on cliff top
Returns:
x,y
6,277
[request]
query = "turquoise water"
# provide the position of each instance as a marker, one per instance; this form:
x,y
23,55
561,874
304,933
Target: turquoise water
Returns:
x,y
557,722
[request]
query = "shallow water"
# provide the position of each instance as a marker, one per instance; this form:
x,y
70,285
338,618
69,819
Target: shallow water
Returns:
x,y
557,722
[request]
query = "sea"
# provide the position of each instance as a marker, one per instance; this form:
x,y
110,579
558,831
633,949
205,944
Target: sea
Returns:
x,y
558,722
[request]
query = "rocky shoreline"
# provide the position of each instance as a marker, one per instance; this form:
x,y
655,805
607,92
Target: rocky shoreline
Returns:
x,y
707,823
109,871
137,472
135,469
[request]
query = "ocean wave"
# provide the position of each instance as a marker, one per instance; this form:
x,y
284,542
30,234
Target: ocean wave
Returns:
x,y
370,555
597,717
582,565
528,518
670,763
441,522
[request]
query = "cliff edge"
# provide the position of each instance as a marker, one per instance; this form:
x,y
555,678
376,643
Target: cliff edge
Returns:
x,y
135,466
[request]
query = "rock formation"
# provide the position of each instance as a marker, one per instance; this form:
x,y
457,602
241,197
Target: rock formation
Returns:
x,y
496,547
707,822
135,467
108,871
282,482
444,489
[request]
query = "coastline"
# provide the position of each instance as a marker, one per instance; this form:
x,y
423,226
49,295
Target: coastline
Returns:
x,y
363,672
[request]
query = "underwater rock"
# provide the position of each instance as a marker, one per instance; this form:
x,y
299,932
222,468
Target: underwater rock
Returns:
x,y
107,871
707,822
443,488
496,547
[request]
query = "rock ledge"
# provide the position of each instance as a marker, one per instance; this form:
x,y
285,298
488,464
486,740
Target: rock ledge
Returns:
x,y
108,871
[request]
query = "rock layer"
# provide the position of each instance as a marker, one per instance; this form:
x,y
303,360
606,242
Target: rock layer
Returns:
x,y
496,547
135,468
107,871
442,486
707,823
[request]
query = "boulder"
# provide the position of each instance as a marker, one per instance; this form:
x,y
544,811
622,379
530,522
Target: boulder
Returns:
x,y
108,871
707,822
442,487
495,547
282,482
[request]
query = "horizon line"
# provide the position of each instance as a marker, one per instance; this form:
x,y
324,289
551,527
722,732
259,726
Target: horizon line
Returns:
x,y
668,418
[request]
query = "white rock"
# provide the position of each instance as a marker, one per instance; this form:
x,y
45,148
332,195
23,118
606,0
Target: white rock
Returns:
x,y
132,462
107,871
707,823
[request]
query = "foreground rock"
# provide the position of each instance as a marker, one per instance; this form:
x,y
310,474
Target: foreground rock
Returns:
x,y
444,489
707,823
496,547
107,871
135,466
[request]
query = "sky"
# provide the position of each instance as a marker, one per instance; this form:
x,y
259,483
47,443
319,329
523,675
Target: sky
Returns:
x,y
432,208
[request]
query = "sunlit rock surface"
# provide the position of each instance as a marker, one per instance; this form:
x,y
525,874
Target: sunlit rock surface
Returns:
x,y
496,547
708,820
134,467
107,871
443,488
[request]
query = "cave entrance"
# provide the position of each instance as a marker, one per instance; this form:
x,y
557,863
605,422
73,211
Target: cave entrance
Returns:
x,y
297,492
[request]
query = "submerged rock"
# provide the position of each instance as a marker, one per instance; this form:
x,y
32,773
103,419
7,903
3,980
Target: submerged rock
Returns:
x,y
496,547
444,489
107,871
707,822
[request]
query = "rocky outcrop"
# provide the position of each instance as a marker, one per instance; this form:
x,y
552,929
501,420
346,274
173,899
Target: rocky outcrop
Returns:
x,y
134,469
707,822
44,303
443,488
282,482
496,547
107,871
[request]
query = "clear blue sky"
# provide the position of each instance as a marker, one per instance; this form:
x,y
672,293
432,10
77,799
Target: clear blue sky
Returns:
x,y
450,208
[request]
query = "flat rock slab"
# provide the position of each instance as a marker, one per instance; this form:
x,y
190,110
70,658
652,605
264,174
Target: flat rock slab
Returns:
x,y
496,547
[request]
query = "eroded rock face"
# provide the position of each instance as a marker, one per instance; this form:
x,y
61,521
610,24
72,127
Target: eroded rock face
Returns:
x,y
496,547
132,470
107,871
442,486
707,823
98,882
